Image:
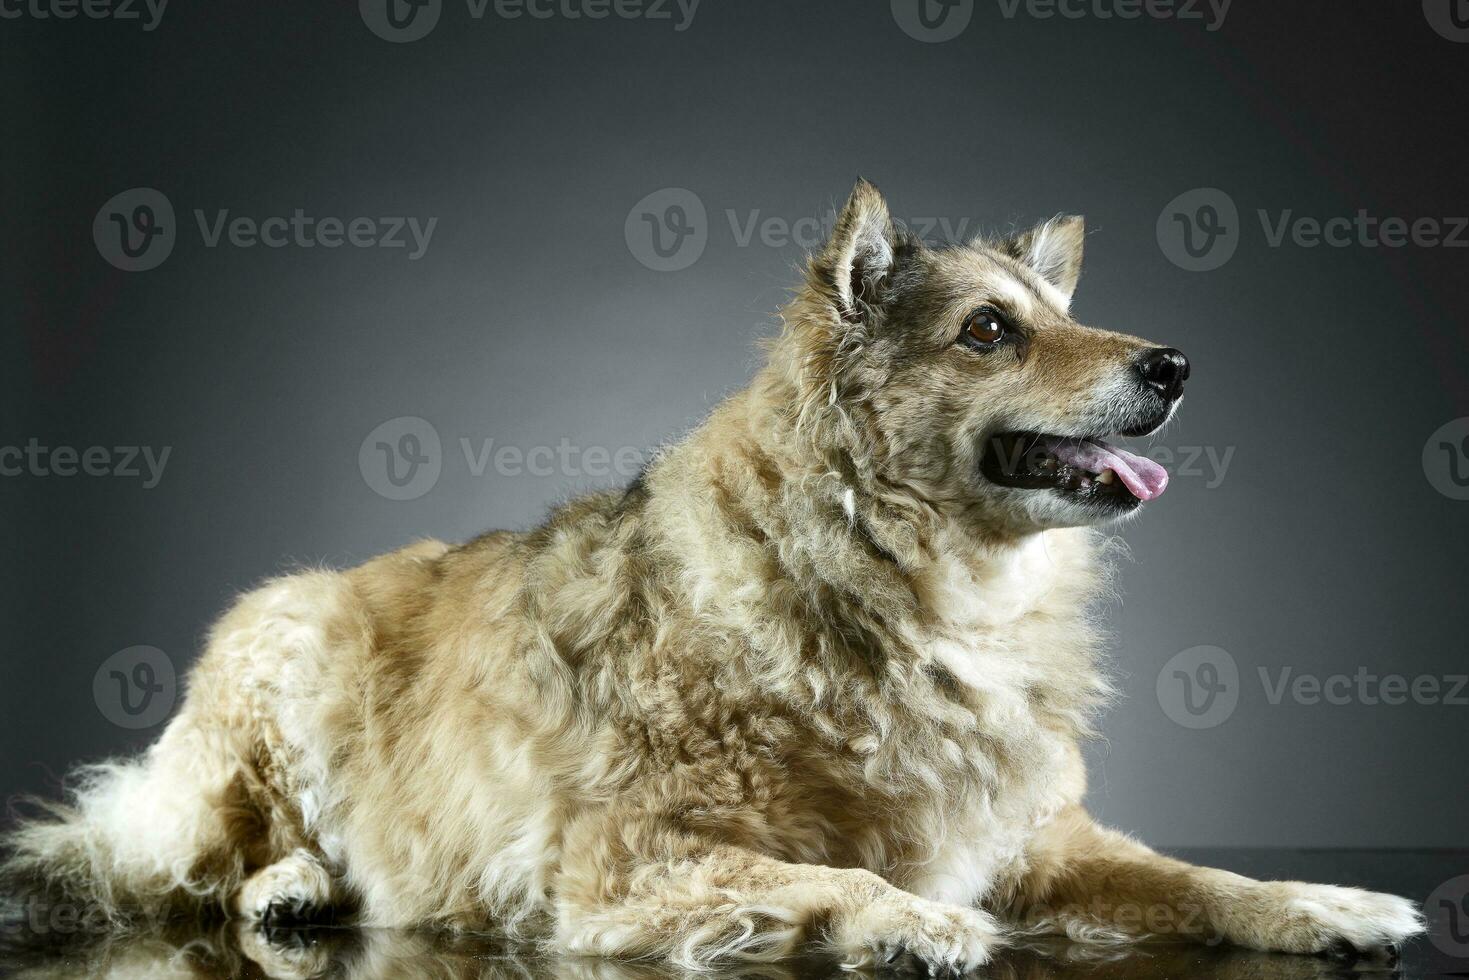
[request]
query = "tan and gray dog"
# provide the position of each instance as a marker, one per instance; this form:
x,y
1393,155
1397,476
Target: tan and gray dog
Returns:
x,y
820,676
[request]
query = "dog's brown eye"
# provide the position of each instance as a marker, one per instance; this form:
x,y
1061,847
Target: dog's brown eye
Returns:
x,y
983,328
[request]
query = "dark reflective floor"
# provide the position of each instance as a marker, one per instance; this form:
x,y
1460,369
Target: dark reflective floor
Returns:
x,y
234,951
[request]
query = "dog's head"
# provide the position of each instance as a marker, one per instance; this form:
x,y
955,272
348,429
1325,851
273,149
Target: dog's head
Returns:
x,y
960,376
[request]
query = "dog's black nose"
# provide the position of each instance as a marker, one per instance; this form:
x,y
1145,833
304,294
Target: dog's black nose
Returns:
x,y
1165,369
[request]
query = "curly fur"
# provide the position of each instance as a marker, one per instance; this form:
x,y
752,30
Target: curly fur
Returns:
x,y
806,680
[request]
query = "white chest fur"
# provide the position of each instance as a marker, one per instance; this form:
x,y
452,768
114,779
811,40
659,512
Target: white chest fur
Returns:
x,y
987,640
977,601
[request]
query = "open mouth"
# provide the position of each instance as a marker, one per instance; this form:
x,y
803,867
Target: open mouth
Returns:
x,y
1084,469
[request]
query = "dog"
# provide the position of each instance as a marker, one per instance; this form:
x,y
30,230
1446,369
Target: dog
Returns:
x,y
819,677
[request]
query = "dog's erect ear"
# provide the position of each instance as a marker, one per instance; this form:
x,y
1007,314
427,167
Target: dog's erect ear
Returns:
x,y
858,258
1053,249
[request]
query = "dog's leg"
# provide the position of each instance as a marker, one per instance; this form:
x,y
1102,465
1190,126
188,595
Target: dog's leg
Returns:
x,y
1096,883
295,890
699,904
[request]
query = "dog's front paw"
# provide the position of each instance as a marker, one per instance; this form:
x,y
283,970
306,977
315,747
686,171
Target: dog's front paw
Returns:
x,y
944,938
291,892
1294,917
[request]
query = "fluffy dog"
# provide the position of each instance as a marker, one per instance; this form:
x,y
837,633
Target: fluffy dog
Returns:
x,y
820,675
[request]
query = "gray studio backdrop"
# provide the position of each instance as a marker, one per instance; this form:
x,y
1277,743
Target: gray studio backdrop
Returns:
x,y
428,270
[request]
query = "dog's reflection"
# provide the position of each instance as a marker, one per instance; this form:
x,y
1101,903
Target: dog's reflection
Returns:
x,y
238,951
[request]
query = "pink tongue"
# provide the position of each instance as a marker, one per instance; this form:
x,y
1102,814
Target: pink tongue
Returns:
x,y
1144,478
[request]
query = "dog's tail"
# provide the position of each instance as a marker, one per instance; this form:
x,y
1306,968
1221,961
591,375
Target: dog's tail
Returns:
x,y
135,840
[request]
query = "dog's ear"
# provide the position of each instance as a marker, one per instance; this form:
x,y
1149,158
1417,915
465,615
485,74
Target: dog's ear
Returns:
x,y
1053,249
856,262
